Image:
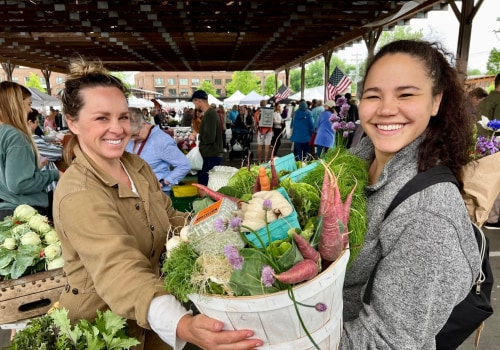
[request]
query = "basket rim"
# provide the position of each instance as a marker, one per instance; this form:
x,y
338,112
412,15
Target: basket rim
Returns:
x,y
332,266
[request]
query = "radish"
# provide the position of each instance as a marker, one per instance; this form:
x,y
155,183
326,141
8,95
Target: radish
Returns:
x,y
305,248
274,175
214,194
302,271
335,216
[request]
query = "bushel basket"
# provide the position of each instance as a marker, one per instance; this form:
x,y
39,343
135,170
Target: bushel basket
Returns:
x,y
273,317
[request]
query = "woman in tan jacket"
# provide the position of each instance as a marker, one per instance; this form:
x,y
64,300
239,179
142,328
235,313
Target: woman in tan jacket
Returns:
x,y
113,220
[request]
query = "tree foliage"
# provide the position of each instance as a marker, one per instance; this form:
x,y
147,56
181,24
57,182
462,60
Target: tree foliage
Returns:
x,y
244,81
270,85
398,33
315,73
34,82
493,64
208,88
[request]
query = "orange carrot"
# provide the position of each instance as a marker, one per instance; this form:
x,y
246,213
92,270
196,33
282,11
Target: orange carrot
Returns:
x,y
305,248
302,271
265,184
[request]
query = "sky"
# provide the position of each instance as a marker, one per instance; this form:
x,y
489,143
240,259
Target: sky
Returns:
x,y
443,26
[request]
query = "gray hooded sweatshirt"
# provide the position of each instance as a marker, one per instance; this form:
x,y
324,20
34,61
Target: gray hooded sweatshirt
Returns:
x,y
429,261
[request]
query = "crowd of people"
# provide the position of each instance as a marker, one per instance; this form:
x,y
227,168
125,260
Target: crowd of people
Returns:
x,y
121,169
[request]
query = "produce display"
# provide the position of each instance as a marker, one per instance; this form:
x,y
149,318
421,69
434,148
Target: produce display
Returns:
x,y
285,232
28,244
54,332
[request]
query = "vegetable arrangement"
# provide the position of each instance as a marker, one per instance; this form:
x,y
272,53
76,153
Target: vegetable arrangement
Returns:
x,y
287,231
54,332
28,244
262,263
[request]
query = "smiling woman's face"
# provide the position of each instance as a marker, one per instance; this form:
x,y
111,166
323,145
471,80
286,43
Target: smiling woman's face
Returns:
x,y
397,102
103,124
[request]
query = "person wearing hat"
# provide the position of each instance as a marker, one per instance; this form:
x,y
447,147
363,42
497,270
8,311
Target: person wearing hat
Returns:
x,y
325,134
210,135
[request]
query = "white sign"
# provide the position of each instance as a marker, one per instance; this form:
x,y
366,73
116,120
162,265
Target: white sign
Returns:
x,y
266,117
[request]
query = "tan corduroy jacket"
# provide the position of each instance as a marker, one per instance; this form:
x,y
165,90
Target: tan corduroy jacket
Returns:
x,y
112,239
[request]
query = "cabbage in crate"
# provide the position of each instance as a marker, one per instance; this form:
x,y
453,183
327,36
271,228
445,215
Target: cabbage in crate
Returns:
x,y
28,244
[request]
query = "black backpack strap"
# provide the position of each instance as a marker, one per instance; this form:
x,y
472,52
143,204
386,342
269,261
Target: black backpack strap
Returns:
x,y
419,182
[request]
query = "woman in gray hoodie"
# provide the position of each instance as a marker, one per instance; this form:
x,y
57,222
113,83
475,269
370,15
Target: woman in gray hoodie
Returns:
x,y
413,112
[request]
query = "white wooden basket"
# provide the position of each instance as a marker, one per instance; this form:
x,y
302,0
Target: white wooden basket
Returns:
x,y
273,318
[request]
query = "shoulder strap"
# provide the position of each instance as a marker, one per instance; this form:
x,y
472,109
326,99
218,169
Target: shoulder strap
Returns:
x,y
419,182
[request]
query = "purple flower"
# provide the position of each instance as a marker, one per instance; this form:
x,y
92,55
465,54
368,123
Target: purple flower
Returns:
x,y
341,101
334,118
233,256
486,146
336,126
345,134
268,276
321,307
267,205
220,224
235,223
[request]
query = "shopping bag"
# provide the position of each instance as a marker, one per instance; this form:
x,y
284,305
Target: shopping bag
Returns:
x,y
195,158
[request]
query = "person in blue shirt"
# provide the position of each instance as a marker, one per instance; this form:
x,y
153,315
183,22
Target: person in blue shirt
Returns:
x,y
303,128
159,150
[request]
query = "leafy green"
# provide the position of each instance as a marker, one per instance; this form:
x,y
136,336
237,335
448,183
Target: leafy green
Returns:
x,y
230,191
55,332
247,281
280,254
244,179
305,198
178,269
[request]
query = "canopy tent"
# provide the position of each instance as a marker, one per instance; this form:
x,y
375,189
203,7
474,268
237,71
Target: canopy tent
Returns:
x,y
252,98
317,92
136,102
41,100
234,99
212,99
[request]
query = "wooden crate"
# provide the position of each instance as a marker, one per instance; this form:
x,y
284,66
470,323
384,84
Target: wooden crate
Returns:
x,y
30,296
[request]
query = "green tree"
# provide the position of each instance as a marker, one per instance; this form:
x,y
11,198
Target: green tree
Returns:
x,y
295,80
245,82
315,74
493,64
125,77
34,82
270,85
398,33
208,88
474,71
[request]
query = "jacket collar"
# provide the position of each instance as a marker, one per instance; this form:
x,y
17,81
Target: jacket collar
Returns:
x,y
131,163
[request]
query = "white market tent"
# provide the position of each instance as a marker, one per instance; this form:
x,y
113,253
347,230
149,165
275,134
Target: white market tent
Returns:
x,y
212,99
42,100
317,92
234,99
136,102
252,98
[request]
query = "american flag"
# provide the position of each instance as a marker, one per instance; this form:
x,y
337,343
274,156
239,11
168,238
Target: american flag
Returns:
x,y
283,92
337,83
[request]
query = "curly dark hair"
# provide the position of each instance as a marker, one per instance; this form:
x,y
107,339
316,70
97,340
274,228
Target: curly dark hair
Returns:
x,y
448,138
84,74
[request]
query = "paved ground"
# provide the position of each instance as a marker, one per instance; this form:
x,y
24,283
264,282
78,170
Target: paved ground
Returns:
x,y
490,338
